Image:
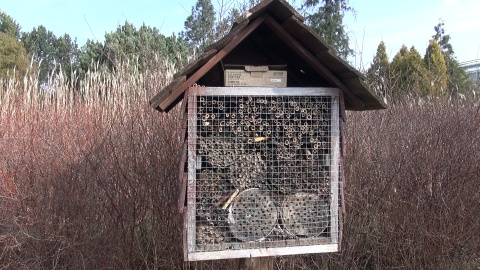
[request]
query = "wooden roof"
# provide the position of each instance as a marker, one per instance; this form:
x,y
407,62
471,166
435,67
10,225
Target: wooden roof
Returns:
x,y
273,33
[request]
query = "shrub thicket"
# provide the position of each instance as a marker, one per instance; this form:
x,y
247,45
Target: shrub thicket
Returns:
x,y
88,180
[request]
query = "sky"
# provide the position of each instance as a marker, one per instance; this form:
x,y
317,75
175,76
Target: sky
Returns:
x,y
408,22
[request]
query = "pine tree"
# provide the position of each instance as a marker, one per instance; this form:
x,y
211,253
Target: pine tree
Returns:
x,y
199,26
442,39
50,52
377,74
435,64
9,26
458,81
327,20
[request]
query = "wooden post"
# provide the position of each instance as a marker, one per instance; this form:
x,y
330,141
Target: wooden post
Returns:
x,y
257,263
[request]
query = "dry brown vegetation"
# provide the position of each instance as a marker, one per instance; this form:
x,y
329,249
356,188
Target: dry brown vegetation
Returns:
x,y
88,180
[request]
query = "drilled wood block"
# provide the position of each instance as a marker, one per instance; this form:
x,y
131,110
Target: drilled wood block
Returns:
x,y
305,214
252,215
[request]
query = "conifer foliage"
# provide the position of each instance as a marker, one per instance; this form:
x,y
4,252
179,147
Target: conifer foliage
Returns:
x,y
326,18
50,53
379,70
199,26
408,73
435,64
438,73
13,57
457,77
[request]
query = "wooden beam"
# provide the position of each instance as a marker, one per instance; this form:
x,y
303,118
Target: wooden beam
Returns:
x,y
212,62
200,61
295,249
184,234
310,39
237,28
256,263
311,60
182,176
167,90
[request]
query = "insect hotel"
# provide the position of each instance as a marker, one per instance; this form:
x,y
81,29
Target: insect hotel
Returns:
x,y
262,110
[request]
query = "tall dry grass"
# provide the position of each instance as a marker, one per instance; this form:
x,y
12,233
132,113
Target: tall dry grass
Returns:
x,y
86,174
88,180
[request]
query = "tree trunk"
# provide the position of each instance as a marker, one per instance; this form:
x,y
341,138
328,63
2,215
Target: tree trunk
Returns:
x,y
258,263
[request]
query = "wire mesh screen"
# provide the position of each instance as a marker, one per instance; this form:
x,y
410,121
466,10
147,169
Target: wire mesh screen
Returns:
x,y
263,168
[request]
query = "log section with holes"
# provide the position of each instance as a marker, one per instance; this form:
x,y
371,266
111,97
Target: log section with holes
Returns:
x,y
262,171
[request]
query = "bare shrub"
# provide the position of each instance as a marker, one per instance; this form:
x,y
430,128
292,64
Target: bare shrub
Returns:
x,y
89,176
88,180
412,190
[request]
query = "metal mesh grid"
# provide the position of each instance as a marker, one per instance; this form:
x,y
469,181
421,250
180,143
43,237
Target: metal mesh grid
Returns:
x,y
260,170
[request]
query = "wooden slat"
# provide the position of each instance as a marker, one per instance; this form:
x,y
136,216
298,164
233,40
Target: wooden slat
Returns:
x,y
184,235
194,65
191,178
166,91
335,171
183,111
311,60
183,178
338,65
182,175
212,62
282,10
370,99
255,11
269,91
342,137
340,232
262,252
237,28
309,39
182,193
342,213
184,121
342,189
343,114
256,263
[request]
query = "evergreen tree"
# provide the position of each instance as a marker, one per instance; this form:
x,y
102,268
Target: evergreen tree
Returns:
x,y
417,73
9,26
435,64
442,39
409,74
399,68
177,50
92,53
458,81
199,26
12,57
377,74
50,52
145,47
326,18
12,52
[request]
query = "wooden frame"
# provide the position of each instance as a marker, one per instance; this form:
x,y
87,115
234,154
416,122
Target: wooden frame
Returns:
x,y
287,247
